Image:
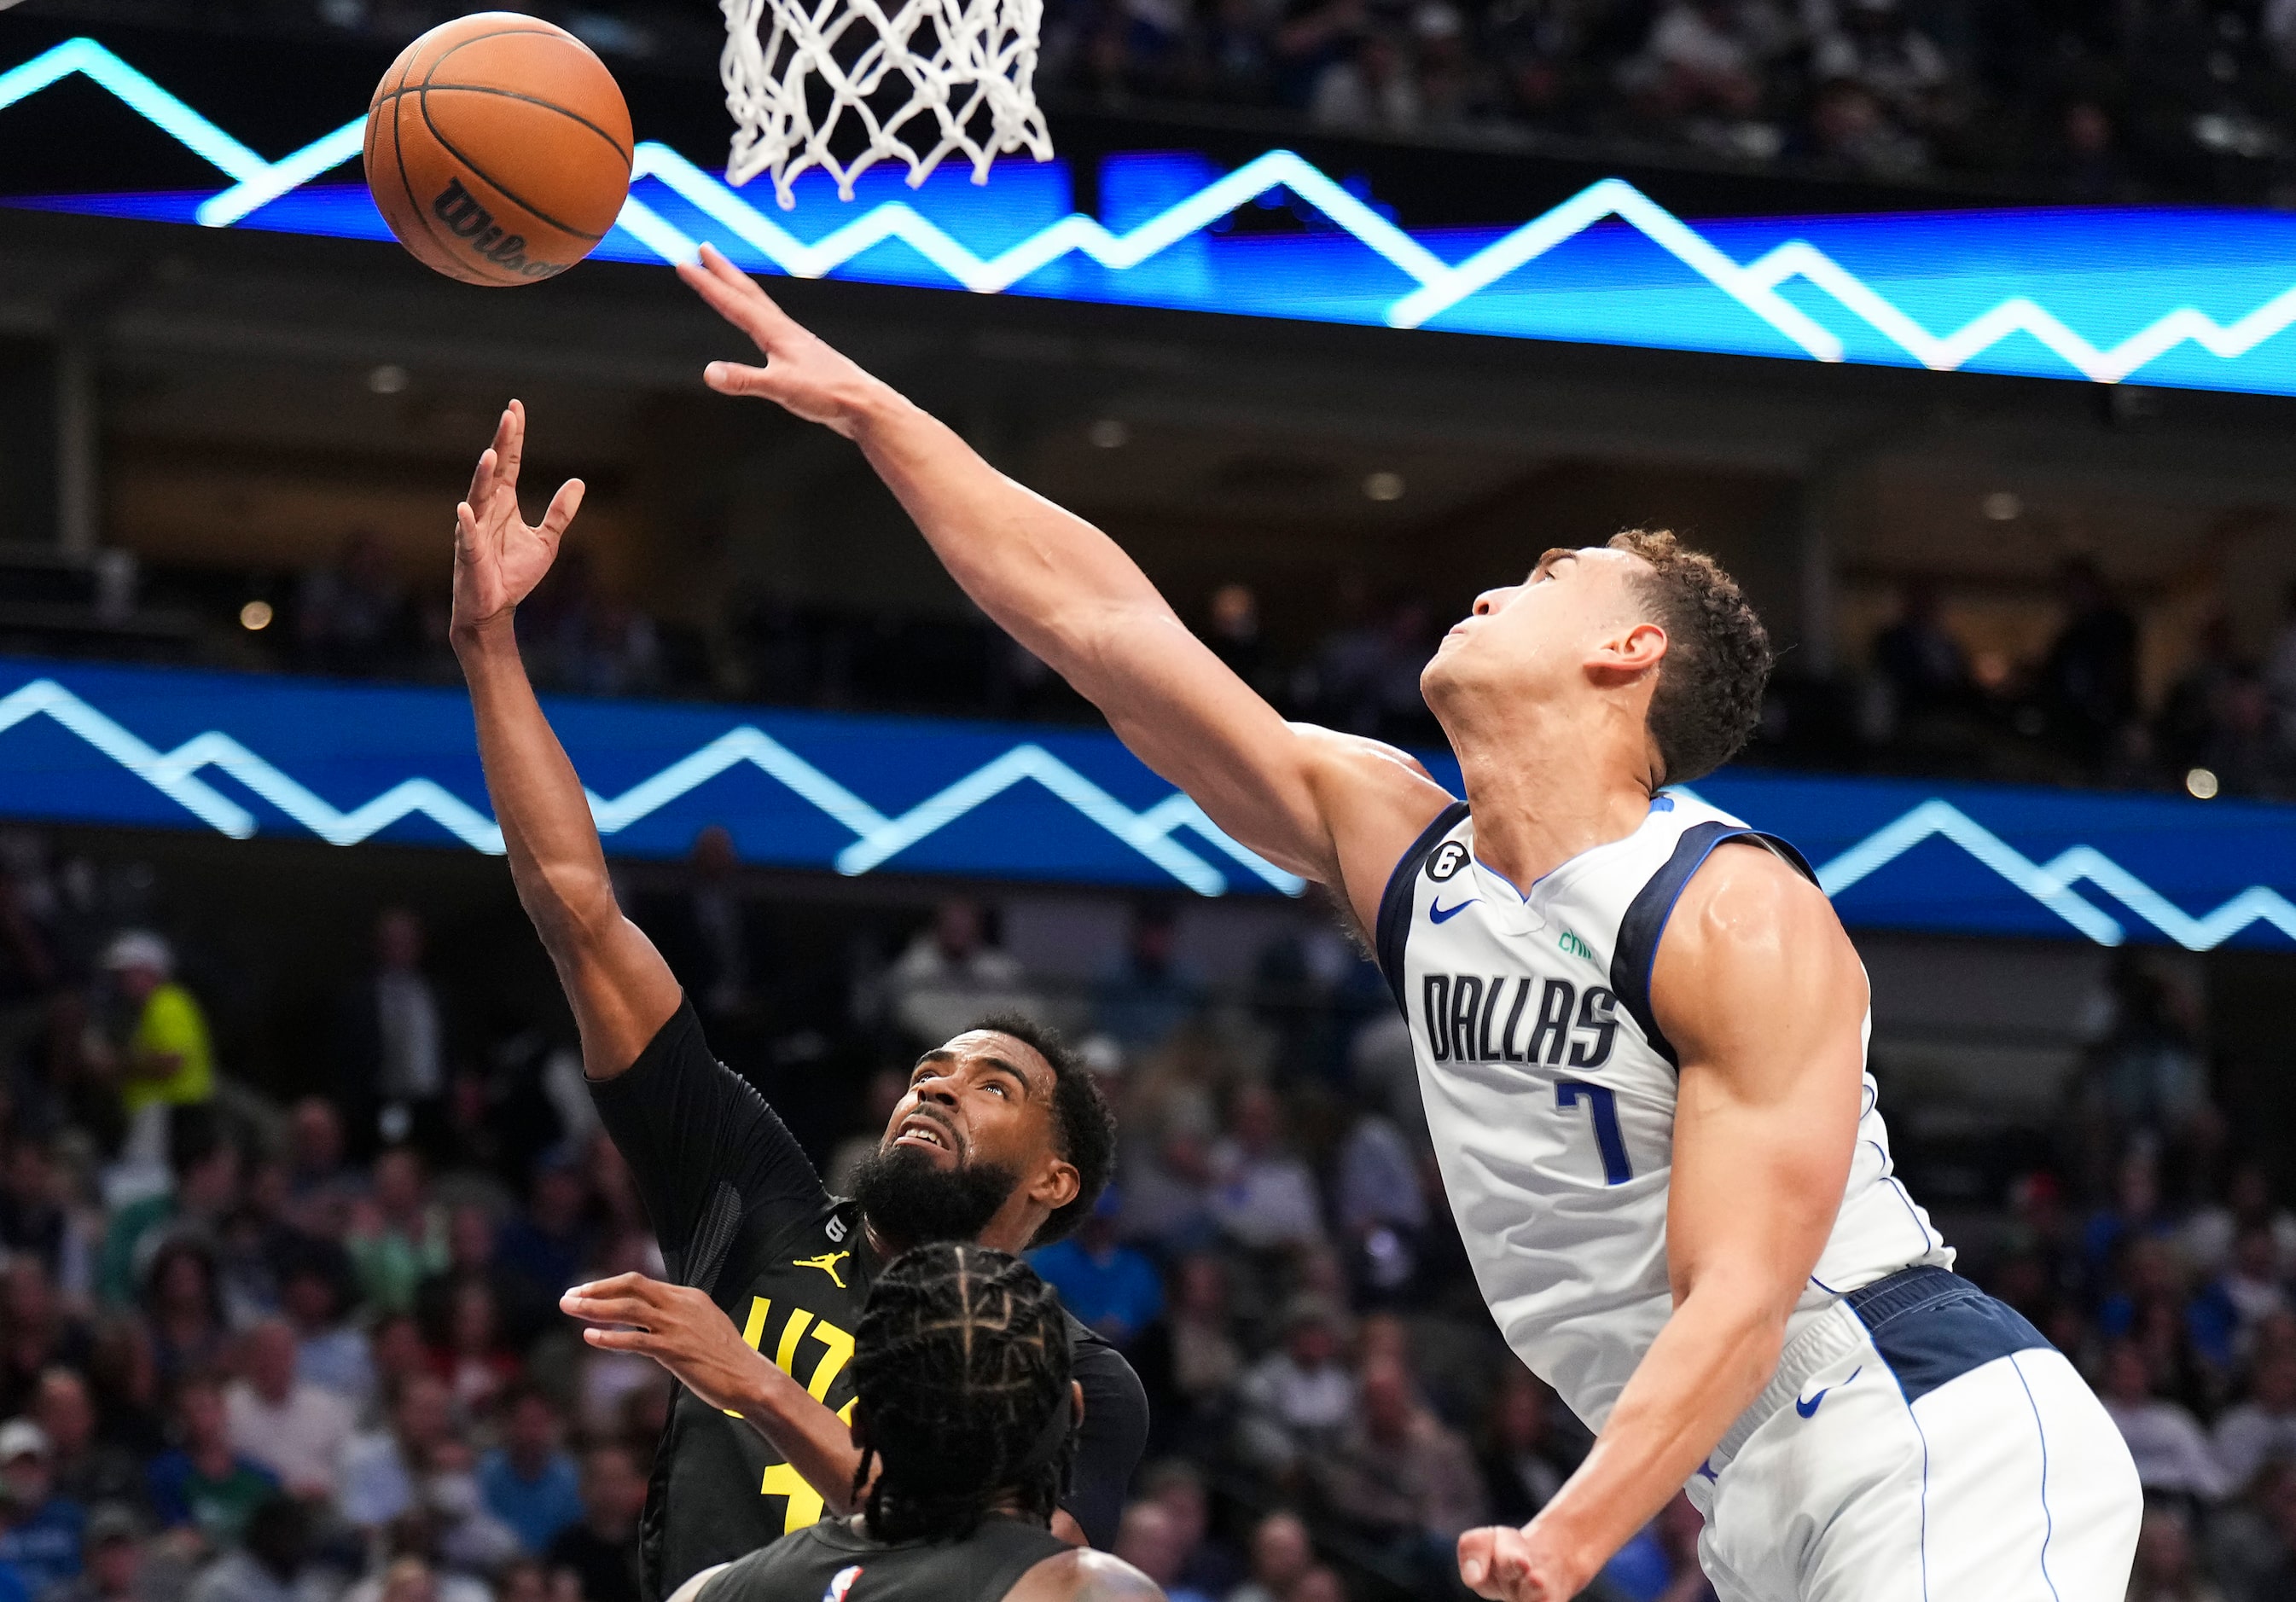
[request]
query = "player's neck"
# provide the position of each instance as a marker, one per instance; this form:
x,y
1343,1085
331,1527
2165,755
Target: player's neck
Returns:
x,y
1547,784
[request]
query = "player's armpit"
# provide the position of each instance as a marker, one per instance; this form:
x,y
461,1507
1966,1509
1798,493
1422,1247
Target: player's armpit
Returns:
x,y
1085,1575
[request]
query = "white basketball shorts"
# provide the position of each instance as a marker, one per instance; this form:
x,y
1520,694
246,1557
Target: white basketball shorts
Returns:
x,y
1920,1443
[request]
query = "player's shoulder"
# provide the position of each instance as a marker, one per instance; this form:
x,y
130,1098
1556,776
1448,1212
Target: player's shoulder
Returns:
x,y
1082,1574
1376,800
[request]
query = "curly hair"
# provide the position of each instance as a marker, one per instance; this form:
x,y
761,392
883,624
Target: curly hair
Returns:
x,y
1084,1130
961,1365
1718,658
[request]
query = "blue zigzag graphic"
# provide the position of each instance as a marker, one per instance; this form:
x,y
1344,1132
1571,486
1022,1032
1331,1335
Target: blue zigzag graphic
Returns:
x,y
174,774
1757,285
878,838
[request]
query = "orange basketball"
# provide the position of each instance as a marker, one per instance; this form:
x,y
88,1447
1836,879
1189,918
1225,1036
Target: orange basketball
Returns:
x,y
498,148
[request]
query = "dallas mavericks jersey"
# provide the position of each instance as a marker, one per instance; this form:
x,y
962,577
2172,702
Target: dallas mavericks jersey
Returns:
x,y
1550,1091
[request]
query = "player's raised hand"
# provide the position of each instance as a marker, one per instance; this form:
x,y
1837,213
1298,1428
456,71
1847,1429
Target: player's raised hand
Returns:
x,y
802,372
679,1326
1508,1565
498,557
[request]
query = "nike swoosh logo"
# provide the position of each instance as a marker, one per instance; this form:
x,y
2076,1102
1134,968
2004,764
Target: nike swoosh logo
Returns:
x,y
1440,913
1807,1408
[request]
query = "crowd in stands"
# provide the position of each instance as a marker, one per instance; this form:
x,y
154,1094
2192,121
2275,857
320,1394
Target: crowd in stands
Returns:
x,y
2089,99
1921,700
304,1347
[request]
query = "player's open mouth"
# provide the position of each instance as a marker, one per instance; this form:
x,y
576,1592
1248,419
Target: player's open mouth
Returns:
x,y
924,1131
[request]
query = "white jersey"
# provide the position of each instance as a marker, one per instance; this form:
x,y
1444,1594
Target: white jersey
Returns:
x,y
1550,1092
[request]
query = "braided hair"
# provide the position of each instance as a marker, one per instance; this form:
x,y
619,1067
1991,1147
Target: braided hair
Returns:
x,y
961,1366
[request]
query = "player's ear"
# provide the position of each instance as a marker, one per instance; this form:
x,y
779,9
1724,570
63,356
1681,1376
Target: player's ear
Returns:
x,y
1626,653
1058,1184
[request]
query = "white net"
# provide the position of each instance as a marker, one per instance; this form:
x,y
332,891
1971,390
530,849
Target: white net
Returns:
x,y
916,83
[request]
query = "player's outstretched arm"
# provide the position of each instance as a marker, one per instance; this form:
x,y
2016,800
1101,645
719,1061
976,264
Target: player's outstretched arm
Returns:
x,y
1329,808
1758,988
1084,1576
622,991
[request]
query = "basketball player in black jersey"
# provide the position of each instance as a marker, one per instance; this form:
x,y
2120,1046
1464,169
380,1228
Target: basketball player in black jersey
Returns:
x,y
1002,1139
961,1366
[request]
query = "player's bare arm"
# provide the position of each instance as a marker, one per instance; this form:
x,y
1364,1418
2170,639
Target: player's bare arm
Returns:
x,y
1760,990
622,991
681,1328
1330,807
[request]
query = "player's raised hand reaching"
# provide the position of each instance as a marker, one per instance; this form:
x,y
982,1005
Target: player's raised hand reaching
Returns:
x,y
802,372
498,557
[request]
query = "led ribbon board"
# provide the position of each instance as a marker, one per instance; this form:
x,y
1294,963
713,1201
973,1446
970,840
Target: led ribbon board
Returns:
x,y
2172,296
302,759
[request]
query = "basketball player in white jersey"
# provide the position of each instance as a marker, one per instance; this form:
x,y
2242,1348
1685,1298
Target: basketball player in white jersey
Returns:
x,y
1641,1036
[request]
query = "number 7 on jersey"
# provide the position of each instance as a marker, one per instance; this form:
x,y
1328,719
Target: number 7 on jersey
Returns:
x,y
1603,1109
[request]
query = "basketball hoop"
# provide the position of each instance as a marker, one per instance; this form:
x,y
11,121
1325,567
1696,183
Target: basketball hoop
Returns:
x,y
967,67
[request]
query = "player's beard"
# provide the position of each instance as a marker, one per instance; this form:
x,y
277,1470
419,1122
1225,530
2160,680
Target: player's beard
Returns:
x,y
911,1203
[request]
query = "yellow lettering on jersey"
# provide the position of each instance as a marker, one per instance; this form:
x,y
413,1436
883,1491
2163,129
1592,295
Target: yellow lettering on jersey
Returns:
x,y
786,1357
804,1504
753,1333
838,1353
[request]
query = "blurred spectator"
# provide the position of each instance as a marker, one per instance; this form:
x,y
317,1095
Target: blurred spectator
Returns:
x,y
1281,1554
951,977
601,1549
1152,1540
1190,1360
2228,1311
1207,1567
184,1305
886,1088
397,1236
320,1189
2165,1571
166,1060
329,1352
548,1243
2262,1429
2086,683
1297,1399
91,1472
291,1427
1262,1194
201,1484
528,1481
37,1334
394,1042
1103,1282
1677,1528
1398,1474
1524,1461
1148,994
350,615
2248,1204
111,1560
707,938
273,1565
203,1166
33,1220
1873,45
2280,656
1705,58
2171,1450
1380,1204
519,1309
1232,629
40,1529
1920,662
472,1357
1318,1584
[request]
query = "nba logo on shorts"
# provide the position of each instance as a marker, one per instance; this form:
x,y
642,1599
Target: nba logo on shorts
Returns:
x,y
840,1583
1450,857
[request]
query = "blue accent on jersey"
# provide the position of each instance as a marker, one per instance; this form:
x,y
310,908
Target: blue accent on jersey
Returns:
x,y
1440,913
1603,1109
1636,952
1394,928
1933,1326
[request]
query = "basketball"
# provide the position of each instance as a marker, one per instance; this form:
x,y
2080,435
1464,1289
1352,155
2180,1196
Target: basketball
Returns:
x,y
498,148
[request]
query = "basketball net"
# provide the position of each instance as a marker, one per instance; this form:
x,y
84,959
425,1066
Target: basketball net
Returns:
x,y
968,67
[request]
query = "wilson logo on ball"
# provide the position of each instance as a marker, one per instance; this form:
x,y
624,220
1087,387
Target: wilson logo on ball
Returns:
x,y
466,219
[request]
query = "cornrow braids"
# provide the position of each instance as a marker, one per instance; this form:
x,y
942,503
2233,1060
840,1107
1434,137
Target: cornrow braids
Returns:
x,y
962,1367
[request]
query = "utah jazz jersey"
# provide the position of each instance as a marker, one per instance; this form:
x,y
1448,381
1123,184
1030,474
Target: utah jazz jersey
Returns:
x,y
1550,1091
740,1211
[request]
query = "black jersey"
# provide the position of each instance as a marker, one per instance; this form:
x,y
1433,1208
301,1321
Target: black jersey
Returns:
x,y
741,1214
833,1562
